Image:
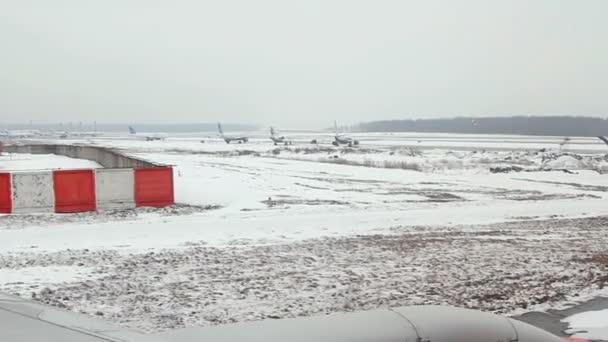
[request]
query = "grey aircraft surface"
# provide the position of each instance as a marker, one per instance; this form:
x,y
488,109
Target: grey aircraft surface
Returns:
x,y
24,320
147,136
15,134
604,139
279,139
230,138
342,139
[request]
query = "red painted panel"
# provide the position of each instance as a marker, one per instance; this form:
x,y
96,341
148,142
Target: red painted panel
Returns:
x,y
6,199
154,187
74,191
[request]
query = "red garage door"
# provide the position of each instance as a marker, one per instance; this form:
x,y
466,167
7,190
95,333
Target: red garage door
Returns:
x,y
6,202
154,187
74,191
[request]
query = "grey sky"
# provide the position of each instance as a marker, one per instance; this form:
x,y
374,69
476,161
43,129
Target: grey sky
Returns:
x,y
294,63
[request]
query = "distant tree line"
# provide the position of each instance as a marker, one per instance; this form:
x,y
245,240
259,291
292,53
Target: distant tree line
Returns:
x,y
521,125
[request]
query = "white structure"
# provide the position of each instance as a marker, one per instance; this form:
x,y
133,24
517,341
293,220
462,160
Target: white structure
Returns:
x,y
33,192
114,188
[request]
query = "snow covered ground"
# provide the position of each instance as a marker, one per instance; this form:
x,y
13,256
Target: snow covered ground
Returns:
x,y
259,141
592,325
308,229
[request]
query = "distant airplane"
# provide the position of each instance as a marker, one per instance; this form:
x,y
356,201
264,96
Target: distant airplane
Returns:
x,y
341,139
20,134
228,139
147,136
563,143
84,134
65,135
604,139
278,139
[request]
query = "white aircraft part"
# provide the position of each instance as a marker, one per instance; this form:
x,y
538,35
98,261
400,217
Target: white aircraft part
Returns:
x,y
33,192
28,321
24,321
114,188
377,326
526,332
457,325
404,324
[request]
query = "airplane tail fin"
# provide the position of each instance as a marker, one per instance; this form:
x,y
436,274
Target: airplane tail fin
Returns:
x,y
272,132
132,130
604,139
219,129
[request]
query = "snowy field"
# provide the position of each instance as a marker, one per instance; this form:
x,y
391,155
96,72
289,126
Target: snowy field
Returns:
x,y
500,223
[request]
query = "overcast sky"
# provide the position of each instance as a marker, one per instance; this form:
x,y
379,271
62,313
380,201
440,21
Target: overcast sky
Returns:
x,y
300,63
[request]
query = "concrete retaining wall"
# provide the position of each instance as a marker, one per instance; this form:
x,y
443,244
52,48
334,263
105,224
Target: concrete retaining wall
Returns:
x,y
124,182
106,157
72,191
33,192
114,188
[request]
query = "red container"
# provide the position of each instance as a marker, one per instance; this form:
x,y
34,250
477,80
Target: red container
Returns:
x,y
6,198
154,187
74,191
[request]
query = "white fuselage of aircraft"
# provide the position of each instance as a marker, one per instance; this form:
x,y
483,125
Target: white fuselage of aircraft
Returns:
x,y
20,134
83,134
147,136
278,139
344,140
150,136
230,138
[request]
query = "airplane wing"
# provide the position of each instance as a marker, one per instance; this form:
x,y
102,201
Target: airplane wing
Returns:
x,y
377,326
28,321
23,320
403,324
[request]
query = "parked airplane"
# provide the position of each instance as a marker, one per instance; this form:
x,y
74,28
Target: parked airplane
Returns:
x,y
65,135
26,321
228,139
84,134
147,136
341,139
20,134
278,139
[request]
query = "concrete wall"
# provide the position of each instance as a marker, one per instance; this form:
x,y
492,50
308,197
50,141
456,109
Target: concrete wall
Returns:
x,y
106,157
114,188
33,192
124,182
